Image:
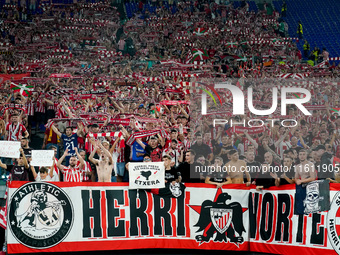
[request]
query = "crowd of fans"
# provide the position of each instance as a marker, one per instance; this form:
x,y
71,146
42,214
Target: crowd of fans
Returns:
x,y
111,90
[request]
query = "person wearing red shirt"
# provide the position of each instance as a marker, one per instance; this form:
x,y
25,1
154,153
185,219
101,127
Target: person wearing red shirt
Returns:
x,y
50,139
15,130
86,170
154,148
173,136
73,172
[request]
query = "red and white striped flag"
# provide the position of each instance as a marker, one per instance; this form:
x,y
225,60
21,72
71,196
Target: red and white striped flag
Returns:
x,y
49,124
3,213
111,134
323,64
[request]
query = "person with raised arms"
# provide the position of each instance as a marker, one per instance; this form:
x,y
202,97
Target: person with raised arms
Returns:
x,y
73,172
19,171
104,165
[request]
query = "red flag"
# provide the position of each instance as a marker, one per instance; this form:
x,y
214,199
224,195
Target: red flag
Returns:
x,y
3,214
5,77
60,75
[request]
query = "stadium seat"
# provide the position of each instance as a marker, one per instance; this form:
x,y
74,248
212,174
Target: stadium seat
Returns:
x,y
319,20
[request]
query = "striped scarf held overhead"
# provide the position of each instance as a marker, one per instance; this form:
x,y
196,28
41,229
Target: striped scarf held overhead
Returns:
x,y
142,134
15,106
109,134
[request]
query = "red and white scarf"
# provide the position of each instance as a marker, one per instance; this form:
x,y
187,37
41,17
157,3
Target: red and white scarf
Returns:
x,y
143,134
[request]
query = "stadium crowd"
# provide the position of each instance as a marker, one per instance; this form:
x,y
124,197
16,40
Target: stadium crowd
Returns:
x,y
106,91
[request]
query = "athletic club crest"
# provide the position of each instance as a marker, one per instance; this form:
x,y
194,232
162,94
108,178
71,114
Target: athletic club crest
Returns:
x,y
220,220
40,215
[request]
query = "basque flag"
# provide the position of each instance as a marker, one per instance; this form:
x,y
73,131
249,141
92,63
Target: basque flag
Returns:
x,y
23,89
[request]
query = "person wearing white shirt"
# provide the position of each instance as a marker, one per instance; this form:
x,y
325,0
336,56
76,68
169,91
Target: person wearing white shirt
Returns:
x,y
43,174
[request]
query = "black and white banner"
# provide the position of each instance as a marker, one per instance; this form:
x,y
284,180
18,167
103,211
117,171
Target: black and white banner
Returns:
x,y
69,217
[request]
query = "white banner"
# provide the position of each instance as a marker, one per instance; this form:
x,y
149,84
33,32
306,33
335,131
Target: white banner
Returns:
x,y
147,175
91,217
42,157
10,149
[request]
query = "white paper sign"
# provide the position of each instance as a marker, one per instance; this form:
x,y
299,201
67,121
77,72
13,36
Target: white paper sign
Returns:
x,y
42,157
10,149
146,175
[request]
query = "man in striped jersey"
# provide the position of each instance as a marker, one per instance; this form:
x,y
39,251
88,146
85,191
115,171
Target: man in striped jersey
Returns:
x,y
15,130
39,113
30,113
73,172
173,136
87,171
174,152
187,141
314,118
